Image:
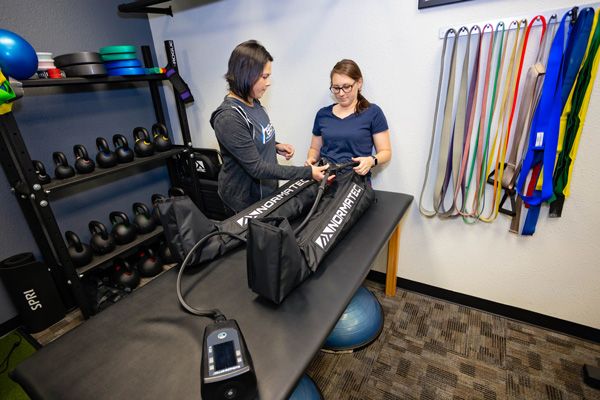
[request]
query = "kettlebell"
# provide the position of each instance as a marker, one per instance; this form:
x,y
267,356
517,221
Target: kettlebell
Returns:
x,y
165,254
156,197
148,263
80,253
122,150
83,163
105,157
123,231
142,220
40,171
161,137
63,170
123,275
143,146
102,242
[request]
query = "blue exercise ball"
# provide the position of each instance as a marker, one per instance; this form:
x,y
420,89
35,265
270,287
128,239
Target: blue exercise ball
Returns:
x,y
360,324
306,389
17,56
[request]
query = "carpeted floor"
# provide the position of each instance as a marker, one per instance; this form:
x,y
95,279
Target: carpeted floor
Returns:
x,y
431,349
14,348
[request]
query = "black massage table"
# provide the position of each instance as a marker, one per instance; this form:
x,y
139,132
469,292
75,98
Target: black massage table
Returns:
x,y
147,347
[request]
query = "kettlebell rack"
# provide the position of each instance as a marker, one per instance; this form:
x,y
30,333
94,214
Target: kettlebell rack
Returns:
x,y
34,198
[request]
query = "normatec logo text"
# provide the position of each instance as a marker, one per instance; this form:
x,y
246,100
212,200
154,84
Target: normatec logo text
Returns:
x,y
338,218
258,211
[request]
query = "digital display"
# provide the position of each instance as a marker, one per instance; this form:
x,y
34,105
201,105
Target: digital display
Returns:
x,y
224,355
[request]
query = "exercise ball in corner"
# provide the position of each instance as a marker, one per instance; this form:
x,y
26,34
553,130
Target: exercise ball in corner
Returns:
x,y
306,389
360,324
17,56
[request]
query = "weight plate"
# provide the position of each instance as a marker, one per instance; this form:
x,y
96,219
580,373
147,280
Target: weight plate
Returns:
x,y
117,49
44,56
119,56
84,57
123,64
85,70
44,63
126,71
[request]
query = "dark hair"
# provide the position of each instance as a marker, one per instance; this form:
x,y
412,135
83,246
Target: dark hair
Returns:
x,y
350,68
245,66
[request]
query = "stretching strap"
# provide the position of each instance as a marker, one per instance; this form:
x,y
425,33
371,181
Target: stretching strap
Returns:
x,y
509,84
567,61
575,112
424,211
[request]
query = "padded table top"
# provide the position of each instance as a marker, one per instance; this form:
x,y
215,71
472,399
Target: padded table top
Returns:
x,y
147,347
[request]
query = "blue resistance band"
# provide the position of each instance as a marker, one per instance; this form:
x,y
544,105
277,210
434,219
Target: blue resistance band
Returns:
x,y
572,58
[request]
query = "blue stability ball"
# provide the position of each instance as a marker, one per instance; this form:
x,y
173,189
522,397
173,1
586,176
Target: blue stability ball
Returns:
x,y
17,56
306,389
359,325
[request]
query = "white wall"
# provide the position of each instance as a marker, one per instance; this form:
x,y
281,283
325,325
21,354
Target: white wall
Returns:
x,y
398,49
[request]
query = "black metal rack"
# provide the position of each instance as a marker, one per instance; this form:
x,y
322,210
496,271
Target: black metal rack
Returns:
x,y
34,198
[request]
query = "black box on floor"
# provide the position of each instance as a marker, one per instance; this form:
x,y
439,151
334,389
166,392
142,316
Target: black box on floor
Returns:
x,y
32,291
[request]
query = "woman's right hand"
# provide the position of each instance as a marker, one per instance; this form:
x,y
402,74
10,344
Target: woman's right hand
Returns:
x,y
310,161
318,172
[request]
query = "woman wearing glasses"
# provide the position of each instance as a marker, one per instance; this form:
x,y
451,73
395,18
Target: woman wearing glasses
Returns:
x,y
352,127
246,136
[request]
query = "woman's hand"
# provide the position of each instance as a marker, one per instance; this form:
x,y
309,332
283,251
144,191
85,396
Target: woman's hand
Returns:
x,y
364,166
285,150
318,172
310,161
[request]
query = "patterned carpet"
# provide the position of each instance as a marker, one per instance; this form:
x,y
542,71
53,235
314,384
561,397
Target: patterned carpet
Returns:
x,y
431,349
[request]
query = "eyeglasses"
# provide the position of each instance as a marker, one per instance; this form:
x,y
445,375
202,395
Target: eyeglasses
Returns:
x,y
344,88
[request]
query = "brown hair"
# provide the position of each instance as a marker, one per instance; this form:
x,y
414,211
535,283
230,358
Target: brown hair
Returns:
x,y
246,64
351,69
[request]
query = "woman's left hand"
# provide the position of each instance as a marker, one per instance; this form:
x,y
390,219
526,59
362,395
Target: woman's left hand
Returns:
x,y
285,150
364,166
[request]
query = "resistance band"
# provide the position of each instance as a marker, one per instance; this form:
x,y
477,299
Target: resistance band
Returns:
x,y
456,141
569,63
424,211
469,115
477,157
543,135
506,97
579,102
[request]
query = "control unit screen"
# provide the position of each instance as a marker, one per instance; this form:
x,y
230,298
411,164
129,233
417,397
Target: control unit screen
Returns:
x,y
224,354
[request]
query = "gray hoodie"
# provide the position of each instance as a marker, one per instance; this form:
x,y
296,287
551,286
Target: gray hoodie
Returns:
x,y
250,170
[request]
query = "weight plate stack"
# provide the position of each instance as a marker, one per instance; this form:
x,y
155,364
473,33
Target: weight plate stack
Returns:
x,y
81,64
45,61
121,60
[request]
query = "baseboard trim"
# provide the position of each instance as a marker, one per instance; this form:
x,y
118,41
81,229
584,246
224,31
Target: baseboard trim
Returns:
x,y
10,325
516,313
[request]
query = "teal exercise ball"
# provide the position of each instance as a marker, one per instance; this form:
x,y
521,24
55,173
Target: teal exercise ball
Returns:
x,y
17,56
306,389
360,324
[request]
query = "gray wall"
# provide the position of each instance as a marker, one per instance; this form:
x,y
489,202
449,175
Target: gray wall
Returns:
x,y
56,119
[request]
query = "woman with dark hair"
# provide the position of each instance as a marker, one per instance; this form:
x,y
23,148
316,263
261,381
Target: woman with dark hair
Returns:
x,y
350,128
246,136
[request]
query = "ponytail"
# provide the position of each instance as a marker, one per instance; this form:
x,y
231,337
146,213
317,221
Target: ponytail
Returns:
x,y
362,103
